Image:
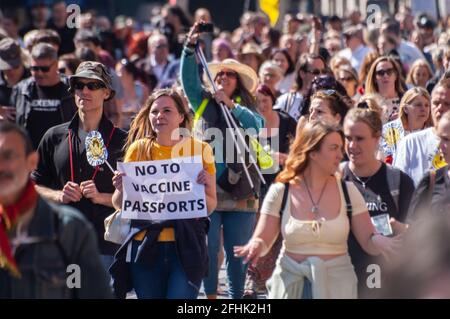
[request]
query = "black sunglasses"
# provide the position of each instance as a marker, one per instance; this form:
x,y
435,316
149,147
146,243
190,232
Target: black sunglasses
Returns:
x,y
383,72
62,70
229,74
92,86
362,105
44,69
317,71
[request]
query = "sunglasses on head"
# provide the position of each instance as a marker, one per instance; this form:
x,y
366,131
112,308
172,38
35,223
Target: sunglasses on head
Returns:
x,y
383,72
362,105
329,92
43,69
229,74
92,86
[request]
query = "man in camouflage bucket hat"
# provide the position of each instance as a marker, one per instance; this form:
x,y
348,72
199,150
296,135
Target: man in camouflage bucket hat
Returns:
x,y
95,71
64,174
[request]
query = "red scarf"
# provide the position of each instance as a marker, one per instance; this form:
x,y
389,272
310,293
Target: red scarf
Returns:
x,y
9,215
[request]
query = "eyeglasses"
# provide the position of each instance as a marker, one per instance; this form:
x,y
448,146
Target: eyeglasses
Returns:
x,y
92,86
316,71
381,73
229,74
62,70
41,68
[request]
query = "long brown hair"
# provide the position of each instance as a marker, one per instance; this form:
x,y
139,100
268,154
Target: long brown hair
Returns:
x,y
308,140
371,81
141,128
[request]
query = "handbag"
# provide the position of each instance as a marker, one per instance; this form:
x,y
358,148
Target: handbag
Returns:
x,y
116,228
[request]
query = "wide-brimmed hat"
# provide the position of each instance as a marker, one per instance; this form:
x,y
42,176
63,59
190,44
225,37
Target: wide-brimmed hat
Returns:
x,y
247,75
95,71
10,54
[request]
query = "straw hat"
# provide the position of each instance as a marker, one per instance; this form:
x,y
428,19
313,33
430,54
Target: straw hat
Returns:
x,y
247,75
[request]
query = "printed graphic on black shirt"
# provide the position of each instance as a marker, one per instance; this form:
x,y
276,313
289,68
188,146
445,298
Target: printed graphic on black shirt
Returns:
x,y
45,111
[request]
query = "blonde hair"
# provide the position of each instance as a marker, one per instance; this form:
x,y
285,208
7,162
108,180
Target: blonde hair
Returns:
x,y
367,116
337,61
410,96
141,128
308,140
371,81
417,64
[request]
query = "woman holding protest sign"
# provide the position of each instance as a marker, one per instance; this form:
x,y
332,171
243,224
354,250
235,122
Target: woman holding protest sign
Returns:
x,y
164,259
237,203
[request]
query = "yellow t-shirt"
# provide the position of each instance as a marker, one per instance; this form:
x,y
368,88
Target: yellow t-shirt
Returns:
x,y
145,150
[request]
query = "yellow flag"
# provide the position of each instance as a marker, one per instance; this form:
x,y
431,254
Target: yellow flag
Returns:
x,y
272,9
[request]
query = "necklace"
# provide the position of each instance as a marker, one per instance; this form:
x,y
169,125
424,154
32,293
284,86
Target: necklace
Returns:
x,y
315,208
360,180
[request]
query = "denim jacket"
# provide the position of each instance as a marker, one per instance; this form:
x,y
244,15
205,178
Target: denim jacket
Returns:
x,y
59,236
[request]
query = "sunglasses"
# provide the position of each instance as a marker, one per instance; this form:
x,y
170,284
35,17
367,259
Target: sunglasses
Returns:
x,y
62,70
316,71
362,105
43,69
329,92
92,86
381,73
229,74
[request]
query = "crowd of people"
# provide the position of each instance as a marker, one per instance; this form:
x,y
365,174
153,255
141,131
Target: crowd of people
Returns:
x,y
343,164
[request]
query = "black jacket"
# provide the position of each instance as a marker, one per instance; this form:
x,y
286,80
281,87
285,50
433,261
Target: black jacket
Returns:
x,y
54,169
190,239
61,237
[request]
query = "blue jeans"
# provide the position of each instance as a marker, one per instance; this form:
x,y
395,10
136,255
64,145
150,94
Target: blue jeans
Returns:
x,y
165,278
237,230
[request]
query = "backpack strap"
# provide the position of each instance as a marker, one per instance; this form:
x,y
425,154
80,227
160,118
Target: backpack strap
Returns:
x,y
393,178
284,199
348,202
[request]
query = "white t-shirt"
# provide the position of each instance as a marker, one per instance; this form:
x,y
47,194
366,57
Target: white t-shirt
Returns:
x,y
418,153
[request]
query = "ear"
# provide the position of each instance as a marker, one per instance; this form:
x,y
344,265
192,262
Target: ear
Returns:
x,y
181,118
107,94
32,161
338,117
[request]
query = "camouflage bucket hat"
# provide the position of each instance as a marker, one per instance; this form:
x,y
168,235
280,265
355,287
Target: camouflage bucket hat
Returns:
x,y
95,71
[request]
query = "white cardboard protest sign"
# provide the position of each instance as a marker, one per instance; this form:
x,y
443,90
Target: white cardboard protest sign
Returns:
x,y
163,190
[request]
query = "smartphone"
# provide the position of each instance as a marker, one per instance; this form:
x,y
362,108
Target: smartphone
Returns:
x,y
206,27
382,224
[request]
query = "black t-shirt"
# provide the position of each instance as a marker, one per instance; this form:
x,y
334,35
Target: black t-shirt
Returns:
x,y
440,197
45,109
54,169
285,136
379,201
